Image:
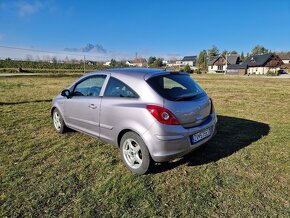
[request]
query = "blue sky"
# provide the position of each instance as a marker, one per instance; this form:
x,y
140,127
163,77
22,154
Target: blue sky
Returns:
x,y
151,27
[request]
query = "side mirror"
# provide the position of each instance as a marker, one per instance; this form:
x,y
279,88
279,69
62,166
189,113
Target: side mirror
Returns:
x,y
65,93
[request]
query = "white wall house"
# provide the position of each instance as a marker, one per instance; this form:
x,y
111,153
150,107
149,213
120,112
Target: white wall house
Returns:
x,y
217,64
217,68
187,60
129,63
107,63
139,62
262,64
285,57
171,63
261,70
286,61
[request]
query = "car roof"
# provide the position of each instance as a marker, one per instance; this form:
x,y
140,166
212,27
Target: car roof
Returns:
x,y
134,72
137,70
145,73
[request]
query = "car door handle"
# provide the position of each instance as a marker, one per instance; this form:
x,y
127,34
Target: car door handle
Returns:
x,y
92,106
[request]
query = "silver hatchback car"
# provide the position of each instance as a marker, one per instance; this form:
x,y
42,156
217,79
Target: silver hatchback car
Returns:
x,y
150,114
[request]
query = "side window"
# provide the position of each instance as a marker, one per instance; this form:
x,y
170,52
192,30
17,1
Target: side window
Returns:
x,y
116,88
89,87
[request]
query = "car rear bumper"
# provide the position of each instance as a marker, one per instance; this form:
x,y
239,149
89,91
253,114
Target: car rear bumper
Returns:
x,y
168,142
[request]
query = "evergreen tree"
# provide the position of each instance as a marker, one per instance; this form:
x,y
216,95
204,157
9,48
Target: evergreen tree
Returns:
x,y
151,60
213,51
225,52
242,56
259,49
202,60
187,69
113,63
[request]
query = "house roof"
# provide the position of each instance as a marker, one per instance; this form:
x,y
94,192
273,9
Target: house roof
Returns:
x,y
189,58
236,66
171,62
284,56
233,58
285,66
139,60
257,60
211,60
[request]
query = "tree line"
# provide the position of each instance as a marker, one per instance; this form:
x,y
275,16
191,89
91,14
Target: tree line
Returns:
x,y
19,64
152,62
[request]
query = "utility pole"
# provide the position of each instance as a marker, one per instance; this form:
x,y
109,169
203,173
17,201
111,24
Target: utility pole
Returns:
x,y
226,62
84,64
204,59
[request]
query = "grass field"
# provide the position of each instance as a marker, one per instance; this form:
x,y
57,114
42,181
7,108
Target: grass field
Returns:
x,y
43,71
244,171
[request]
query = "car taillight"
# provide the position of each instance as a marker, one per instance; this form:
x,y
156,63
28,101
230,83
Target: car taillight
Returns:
x,y
162,114
211,106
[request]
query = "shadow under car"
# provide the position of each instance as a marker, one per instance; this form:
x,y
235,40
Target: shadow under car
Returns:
x,y
232,135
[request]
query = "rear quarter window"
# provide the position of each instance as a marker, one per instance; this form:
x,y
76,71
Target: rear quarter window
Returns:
x,y
117,88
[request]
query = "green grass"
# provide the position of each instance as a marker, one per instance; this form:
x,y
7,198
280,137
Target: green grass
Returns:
x,y
243,171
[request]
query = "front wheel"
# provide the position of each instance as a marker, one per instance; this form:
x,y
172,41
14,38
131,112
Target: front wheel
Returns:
x,y
135,153
58,122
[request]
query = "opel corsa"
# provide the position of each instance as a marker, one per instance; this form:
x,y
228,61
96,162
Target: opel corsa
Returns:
x,y
150,114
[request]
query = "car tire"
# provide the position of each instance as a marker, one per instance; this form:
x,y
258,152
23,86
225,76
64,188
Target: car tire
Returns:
x,y
135,154
58,122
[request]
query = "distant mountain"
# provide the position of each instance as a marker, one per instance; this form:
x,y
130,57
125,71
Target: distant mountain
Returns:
x,y
89,48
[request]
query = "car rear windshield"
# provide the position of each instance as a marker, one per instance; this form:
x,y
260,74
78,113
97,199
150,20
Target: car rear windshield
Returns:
x,y
176,87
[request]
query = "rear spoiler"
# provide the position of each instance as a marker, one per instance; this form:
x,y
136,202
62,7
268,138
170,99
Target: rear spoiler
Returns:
x,y
165,72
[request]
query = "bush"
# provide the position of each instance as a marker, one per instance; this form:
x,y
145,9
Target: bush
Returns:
x,y
198,71
272,73
155,62
8,63
187,69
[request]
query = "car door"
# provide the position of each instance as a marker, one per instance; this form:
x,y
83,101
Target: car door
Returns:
x,y
118,101
82,110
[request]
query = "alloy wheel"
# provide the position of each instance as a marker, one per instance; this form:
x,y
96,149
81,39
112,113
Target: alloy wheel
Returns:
x,y
132,153
56,120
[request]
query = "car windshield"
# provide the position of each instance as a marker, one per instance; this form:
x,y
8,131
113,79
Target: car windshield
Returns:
x,y
176,87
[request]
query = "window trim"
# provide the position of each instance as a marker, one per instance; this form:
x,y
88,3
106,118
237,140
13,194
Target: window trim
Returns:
x,y
86,78
104,96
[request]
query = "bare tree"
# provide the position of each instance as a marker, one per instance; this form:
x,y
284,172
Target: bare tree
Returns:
x,y
29,57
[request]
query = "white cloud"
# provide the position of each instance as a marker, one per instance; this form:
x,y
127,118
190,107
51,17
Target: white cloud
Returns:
x,y
26,9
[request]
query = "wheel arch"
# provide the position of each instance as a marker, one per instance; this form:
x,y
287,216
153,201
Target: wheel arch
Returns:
x,y
123,132
51,110
57,107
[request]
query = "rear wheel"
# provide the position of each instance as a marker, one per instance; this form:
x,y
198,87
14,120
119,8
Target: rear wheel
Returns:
x,y
135,153
58,122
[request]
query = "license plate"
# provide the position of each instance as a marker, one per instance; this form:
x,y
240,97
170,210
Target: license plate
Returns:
x,y
200,135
